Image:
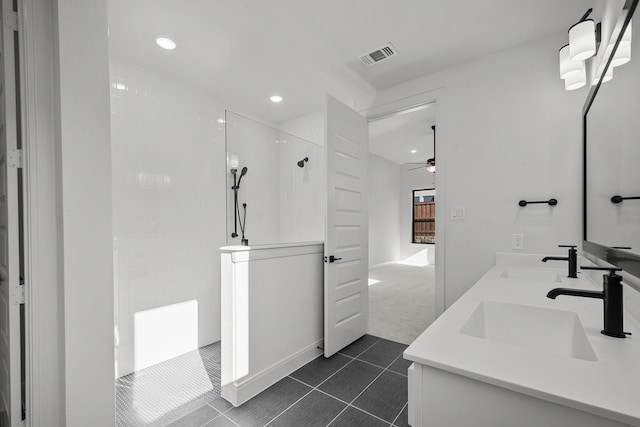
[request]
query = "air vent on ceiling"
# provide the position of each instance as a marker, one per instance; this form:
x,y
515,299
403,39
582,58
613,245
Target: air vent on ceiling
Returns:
x,y
378,55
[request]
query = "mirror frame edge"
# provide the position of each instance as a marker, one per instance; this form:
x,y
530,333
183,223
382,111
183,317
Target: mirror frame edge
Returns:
x,y
628,261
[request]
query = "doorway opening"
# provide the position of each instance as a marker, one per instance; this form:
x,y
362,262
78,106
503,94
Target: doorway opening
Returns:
x,y
401,264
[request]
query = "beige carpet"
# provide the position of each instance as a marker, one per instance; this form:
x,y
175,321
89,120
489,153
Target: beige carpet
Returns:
x,y
401,304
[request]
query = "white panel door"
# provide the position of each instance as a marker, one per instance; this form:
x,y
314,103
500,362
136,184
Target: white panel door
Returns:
x,y
10,292
346,292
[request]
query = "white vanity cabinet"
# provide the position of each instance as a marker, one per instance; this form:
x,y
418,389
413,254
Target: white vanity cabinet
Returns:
x,y
506,355
443,399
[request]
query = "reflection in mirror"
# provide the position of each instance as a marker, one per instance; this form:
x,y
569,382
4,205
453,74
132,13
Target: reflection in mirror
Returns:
x,y
613,157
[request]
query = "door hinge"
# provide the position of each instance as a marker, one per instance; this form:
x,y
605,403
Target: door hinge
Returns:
x,y
17,294
15,158
11,19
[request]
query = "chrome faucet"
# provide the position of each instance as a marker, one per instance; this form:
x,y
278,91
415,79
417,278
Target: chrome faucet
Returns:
x,y
611,295
572,258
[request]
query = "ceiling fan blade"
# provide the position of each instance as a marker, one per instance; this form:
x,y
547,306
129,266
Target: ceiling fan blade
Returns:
x,y
419,167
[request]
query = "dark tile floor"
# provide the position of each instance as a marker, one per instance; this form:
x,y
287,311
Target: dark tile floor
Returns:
x,y
365,384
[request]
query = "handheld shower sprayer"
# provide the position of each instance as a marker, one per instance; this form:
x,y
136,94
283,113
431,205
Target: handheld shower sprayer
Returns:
x,y
302,162
242,173
236,207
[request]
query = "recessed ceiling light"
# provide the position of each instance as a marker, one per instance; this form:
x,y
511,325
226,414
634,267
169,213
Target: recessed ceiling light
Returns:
x,y
166,43
220,120
276,98
414,151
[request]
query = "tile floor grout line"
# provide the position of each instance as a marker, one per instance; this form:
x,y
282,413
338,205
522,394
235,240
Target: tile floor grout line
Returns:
x,y
399,413
366,349
223,415
327,379
338,415
219,411
365,389
340,400
288,407
385,369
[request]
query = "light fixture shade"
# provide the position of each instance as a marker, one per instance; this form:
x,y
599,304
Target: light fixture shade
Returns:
x,y
582,40
621,56
626,37
567,66
575,81
608,75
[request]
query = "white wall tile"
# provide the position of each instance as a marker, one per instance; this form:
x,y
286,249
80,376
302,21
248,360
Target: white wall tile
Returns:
x,y
168,203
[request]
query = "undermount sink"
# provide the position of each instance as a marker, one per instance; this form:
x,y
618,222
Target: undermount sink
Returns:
x,y
536,328
531,274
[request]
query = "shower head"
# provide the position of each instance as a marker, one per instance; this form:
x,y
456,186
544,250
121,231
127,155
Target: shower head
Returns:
x,y
302,162
242,173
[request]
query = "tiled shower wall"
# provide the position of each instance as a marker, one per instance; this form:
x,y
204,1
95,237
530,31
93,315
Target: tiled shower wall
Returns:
x,y
285,203
169,216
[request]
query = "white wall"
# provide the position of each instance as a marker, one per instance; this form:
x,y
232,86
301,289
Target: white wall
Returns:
x,y
512,132
413,180
168,215
385,225
85,210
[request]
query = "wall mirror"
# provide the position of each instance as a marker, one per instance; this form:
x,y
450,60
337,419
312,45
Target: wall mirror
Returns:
x,y
612,157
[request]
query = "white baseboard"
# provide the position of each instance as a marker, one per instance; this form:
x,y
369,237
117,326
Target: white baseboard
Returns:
x,y
241,391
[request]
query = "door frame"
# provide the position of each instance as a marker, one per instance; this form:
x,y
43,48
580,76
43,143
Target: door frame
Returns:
x,y
438,97
44,345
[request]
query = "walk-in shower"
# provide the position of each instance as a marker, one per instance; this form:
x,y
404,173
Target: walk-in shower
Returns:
x,y
284,192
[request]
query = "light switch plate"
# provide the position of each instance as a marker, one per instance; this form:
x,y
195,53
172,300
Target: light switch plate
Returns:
x,y
458,213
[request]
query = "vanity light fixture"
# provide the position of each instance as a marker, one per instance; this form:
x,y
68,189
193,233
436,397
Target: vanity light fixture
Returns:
x,y
621,56
276,98
608,75
626,37
575,81
166,43
582,39
567,66
583,44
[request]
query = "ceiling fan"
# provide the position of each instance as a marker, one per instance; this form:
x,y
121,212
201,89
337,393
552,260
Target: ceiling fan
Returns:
x,y
431,163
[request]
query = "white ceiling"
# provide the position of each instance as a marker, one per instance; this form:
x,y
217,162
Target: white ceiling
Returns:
x,y
243,51
394,137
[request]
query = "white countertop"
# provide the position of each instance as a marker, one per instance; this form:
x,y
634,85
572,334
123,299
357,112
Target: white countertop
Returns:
x,y
608,387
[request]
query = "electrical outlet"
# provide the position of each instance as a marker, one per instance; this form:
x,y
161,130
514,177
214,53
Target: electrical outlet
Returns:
x,y
517,241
